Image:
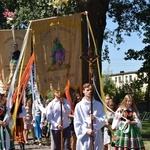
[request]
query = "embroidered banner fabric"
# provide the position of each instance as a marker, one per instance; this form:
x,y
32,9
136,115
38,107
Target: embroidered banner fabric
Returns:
x,y
9,53
57,47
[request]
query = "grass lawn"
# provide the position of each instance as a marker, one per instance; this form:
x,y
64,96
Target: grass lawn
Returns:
x,y
147,144
146,134
145,129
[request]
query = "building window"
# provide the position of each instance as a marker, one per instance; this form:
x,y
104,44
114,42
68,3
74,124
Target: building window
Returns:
x,y
115,79
126,80
130,78
119,79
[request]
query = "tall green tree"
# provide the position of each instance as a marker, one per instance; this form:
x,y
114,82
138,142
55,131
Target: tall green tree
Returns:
x,y
126,14
144,54
2,19
108,85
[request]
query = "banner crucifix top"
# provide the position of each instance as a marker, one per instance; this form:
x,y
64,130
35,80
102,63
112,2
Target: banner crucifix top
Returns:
x,y
90,58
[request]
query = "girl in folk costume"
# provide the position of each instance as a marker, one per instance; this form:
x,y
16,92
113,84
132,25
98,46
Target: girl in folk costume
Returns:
x,y
107,129
19,128
6,142
28,121
128,126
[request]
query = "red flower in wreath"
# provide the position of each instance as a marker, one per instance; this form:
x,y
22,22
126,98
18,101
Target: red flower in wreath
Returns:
x,y
10,16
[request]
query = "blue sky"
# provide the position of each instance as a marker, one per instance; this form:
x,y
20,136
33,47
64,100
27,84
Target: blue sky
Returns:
x,y
118,63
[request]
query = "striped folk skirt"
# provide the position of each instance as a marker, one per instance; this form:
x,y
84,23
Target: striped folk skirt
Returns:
x,y
131,140
11,142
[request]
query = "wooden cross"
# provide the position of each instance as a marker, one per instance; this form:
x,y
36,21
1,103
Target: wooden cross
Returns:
x,y
90,58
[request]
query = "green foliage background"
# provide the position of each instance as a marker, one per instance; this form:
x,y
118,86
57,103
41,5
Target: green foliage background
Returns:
x,y
129,16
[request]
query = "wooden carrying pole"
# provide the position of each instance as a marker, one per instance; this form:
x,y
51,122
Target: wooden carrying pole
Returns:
x,y
90,58
61,132
92,128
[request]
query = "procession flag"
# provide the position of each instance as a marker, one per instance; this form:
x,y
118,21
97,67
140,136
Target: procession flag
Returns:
x,y
7,53
57,47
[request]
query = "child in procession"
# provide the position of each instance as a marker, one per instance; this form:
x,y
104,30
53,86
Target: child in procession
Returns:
x,y
127,124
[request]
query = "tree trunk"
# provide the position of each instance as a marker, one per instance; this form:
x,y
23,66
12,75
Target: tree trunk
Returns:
x,y
97,10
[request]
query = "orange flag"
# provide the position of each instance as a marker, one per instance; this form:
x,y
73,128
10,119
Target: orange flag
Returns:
x,y
20,89
24,78
68,96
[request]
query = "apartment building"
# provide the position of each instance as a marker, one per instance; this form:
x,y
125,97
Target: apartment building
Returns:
x,y
125,78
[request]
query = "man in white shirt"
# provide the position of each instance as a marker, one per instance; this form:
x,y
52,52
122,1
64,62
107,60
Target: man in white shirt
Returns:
x,y
57,113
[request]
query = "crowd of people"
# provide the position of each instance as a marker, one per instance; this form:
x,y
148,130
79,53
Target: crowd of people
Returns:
x,y
88,127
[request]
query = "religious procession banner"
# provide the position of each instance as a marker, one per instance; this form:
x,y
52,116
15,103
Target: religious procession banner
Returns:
x,y
57,47
10,51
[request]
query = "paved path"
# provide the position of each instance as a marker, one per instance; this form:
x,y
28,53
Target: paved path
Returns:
x,y
32,146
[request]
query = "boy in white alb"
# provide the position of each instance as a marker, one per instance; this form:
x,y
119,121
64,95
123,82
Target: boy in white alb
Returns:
x,y
82,121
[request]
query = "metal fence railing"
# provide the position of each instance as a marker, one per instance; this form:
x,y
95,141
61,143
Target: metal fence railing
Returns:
x,y
145,116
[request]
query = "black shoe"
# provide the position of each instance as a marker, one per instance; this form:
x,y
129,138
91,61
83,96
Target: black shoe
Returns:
x,y
22,146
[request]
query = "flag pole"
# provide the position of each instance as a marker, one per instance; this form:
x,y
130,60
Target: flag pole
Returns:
x,y
61,118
